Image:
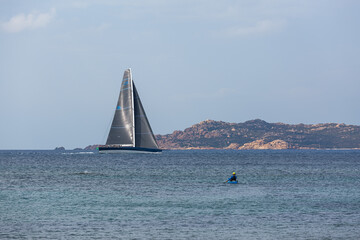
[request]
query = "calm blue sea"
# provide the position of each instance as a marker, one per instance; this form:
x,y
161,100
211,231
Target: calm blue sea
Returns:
x,y
180,195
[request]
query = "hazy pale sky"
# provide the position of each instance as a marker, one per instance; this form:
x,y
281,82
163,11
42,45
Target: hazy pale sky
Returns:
x,y
61,64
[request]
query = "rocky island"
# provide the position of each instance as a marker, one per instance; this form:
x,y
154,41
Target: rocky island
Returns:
x,y
259,134
59,149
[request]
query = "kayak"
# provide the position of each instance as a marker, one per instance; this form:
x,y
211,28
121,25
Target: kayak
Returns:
x,y
232,182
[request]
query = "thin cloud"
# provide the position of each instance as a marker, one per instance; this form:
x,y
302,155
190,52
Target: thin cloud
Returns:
x,y
260,28
23,22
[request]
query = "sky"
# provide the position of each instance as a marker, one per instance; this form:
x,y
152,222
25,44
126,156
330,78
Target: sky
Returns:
x,y
61,65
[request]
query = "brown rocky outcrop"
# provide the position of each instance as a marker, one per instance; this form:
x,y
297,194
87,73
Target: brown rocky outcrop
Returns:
x,y
260,144
234,146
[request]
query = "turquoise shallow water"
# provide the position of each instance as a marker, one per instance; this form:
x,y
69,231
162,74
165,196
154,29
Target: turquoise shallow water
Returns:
x,y
180,195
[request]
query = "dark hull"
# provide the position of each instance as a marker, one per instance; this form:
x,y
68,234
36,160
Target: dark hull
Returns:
x,y
128,150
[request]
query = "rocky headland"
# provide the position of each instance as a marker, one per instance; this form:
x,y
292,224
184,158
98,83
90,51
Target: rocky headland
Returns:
x,y
258,134
88,148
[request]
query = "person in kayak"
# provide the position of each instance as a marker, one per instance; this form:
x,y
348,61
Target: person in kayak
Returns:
x,y
233,177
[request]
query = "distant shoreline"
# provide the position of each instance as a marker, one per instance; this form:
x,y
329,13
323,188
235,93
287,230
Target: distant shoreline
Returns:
x,y
259,134
197,149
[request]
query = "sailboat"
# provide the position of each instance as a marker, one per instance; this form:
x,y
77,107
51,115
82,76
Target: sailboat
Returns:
x,y
130,129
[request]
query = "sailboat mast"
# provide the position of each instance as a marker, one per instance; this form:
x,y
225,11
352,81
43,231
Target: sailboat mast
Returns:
x,y
132,106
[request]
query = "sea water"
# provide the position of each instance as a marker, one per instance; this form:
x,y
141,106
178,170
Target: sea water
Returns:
x,y
180,195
